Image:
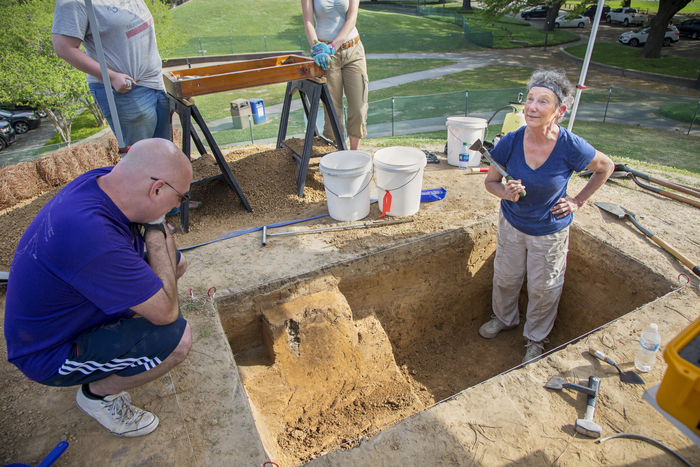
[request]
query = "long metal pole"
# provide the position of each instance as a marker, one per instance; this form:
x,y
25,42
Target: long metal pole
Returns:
x,y
606,104
587,59
105,75
311,231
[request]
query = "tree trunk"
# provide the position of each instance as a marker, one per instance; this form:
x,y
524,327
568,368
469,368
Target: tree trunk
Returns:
x,y
466,5
95,110
552,14
667,8
62,127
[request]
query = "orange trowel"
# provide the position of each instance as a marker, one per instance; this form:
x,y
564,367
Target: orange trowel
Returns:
x,y
621,212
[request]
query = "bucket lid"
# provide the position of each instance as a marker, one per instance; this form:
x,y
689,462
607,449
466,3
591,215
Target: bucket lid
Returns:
x,y
400,159
467,122
345,163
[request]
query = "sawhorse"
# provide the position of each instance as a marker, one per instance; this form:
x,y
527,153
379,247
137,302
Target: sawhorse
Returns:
x,y
311,93
187,111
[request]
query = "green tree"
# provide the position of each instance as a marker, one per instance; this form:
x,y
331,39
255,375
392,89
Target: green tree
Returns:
x,y
30,72
667,8
497,8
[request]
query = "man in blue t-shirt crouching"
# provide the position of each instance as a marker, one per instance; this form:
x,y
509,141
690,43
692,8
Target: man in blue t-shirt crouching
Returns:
x,y
85,306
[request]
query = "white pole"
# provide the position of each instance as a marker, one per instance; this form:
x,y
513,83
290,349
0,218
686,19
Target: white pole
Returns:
x,y
589,51
95,28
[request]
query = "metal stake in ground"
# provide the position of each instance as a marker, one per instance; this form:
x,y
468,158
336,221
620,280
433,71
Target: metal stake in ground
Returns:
x,y
337,227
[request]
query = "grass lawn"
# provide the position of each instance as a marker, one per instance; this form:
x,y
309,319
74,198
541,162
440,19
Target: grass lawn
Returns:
x,y
639,144
681,112
628,57
636,146
490,77
236,26
83,126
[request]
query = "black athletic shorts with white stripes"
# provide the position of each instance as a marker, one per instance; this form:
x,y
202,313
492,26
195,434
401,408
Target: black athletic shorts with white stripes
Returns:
x,y
124,347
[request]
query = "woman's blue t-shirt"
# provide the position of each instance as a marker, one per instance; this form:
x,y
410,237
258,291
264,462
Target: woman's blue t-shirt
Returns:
x,y
545,185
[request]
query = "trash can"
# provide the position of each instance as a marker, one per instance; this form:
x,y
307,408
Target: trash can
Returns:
x,y
240,109
258,108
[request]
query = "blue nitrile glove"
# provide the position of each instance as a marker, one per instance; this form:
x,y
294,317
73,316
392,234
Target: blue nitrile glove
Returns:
x,y
322,48
323,60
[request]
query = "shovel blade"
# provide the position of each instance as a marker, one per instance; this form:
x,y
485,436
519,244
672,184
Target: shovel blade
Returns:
x,y
556,382
615,209
477,146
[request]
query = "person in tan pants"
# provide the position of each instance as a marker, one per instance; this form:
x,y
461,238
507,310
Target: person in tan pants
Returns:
x,y
336,47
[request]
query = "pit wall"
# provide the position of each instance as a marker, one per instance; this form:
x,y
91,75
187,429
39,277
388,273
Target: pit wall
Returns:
x,y
356,319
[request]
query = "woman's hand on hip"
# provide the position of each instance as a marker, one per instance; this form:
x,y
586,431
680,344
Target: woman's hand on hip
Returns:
x,y
565,206
513,189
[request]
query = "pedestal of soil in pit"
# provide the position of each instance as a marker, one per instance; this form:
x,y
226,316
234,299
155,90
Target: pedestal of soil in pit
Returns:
x,y
336,354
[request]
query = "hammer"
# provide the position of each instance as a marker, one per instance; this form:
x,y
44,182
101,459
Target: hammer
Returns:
x,y
587,426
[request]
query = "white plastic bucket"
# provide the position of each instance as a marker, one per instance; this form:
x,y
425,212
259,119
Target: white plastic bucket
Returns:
x,y
399,170
346,177
462,130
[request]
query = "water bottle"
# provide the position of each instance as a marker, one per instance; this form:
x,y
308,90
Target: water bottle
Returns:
x,y
464,156
648,346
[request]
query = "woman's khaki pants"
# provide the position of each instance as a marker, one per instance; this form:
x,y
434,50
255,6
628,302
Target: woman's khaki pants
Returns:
x,y
543,258
348,72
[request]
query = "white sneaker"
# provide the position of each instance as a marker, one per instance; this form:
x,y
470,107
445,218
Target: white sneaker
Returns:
x,y
534,350
491,328
117,414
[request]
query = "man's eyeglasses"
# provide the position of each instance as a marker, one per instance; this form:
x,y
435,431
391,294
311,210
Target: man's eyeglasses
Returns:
x,y
183,198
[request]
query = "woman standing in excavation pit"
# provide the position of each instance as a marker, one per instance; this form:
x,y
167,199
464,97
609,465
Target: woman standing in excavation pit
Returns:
x,y
533,229
336,47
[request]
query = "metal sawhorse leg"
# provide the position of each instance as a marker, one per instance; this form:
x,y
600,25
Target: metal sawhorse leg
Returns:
x,y
188,111
311,93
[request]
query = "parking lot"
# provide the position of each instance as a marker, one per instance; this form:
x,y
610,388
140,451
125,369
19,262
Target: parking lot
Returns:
x,y
684,48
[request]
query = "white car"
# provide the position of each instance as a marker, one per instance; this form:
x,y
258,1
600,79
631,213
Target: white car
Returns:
x,y
576,22
639,36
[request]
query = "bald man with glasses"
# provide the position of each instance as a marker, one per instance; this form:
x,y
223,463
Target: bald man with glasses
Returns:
x,y
92,295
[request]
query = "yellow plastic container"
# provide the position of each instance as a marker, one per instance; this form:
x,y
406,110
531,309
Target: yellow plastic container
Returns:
x,y
513,120
679,392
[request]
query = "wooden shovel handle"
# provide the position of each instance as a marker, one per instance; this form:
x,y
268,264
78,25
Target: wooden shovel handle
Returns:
x,y
680,198
677,254
674,186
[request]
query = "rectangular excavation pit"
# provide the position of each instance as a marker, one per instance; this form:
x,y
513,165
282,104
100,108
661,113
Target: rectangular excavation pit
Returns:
x,y
337,353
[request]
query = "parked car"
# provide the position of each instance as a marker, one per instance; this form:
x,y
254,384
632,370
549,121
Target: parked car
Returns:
x,y
590,13
579,21
12,108
626,16
689,27
7,134
537,12
21,120
639,36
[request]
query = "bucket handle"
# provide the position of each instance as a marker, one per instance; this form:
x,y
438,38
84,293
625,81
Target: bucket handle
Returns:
x,y
457,137
351,196
394,189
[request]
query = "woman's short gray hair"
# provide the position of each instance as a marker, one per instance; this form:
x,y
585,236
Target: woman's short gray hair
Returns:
x,y
555,80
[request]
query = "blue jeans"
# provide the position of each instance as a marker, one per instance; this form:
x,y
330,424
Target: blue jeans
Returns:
x,y
143,112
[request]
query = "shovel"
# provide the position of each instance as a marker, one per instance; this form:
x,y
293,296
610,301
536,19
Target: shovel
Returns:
x,y
557,382
625,376
621,212
478,146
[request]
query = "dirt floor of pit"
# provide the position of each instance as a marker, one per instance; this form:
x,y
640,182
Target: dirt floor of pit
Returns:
x,y
206,418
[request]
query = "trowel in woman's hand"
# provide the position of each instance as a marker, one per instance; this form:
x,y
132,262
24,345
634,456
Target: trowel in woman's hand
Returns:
x,y
621,212
478,146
